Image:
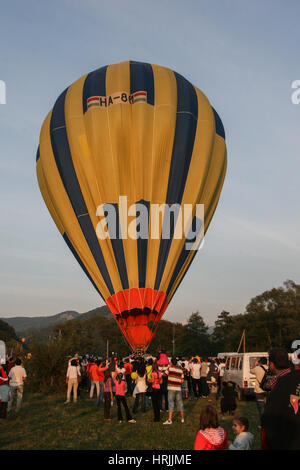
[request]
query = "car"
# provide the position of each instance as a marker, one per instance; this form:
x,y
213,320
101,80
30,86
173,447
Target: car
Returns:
x,y
237,370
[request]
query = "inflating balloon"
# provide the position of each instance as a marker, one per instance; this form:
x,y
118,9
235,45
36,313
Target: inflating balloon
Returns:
x,y
143,134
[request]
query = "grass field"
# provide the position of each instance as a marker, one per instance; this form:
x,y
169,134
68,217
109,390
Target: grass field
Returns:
x,y
45,423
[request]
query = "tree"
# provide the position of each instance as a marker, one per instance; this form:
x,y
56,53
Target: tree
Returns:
x,y
196,339
271,319
222,330
7,332
10,338
163,338
275,315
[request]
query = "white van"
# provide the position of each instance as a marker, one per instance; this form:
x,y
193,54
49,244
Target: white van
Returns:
x,y
223,355
237,369
2,352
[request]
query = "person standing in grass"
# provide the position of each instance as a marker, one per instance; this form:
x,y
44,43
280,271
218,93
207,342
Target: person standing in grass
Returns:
x,y
139,392
101,370
259,369
195,375
17,376
213,391
228,400
163,364
156,379
94,375
184,385
210,435
72,379
203,378
108,394
128,371
121,399
175,379
88,375
4,392
281,417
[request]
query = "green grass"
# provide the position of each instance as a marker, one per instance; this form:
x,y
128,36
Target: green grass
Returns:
x,y
45,423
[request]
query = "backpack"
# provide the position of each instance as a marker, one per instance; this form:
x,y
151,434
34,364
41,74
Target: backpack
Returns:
x,y
265,383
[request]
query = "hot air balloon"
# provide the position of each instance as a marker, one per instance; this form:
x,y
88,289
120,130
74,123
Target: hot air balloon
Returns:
x,y
141,132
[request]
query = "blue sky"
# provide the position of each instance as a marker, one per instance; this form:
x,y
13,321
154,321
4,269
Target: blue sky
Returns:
x,y
243,55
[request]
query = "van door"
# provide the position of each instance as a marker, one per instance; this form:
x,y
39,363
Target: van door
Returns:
x,y
237,375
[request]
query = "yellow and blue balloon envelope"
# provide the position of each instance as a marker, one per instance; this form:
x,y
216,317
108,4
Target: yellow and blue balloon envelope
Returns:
x,y
144,133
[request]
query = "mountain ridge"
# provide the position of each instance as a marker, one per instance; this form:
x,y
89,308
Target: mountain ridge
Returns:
x,y
22,325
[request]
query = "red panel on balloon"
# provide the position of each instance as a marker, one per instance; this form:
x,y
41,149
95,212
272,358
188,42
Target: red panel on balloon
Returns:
x,y
138,312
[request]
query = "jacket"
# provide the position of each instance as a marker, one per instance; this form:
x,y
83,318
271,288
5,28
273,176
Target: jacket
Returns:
x,y
243,441
211,439
281,417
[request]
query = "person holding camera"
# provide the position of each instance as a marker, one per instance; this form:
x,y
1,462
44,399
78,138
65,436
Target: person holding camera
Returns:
x,y
259,369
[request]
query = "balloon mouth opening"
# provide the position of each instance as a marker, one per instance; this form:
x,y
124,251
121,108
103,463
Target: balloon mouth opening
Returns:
x,y
137,312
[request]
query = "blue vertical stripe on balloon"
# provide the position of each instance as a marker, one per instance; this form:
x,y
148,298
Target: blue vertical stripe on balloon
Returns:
x,y
63,158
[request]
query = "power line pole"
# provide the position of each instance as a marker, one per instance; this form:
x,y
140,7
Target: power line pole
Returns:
x,y
243,339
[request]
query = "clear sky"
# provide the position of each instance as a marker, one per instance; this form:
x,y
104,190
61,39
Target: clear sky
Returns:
x,y
243,55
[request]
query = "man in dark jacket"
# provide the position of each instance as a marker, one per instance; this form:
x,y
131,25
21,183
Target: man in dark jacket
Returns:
x,y
281,417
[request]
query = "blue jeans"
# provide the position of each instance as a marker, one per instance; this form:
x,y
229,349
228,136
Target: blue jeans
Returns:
x,y
137,400
101,394
175,396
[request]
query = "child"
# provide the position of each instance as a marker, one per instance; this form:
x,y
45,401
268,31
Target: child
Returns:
x,y
213,390
244,439
210,435
228,400
120,397
156,380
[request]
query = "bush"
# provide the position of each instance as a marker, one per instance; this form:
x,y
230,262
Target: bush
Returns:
x,y
47,367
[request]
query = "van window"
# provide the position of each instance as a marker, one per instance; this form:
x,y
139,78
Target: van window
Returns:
x,y
252,361
227,363
241,363
233,362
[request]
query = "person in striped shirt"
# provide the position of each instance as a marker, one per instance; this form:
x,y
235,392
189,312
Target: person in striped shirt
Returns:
x,y
175,379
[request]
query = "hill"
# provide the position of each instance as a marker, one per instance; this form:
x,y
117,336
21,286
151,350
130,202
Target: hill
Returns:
x,y
22,325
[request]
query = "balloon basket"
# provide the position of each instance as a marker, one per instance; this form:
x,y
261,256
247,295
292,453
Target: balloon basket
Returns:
x,y
139,352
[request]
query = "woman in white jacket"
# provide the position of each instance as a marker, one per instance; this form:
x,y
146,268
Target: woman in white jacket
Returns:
x,y
140,387
72,378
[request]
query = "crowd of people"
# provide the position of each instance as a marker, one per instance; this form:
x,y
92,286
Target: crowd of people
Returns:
x,y
164,383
